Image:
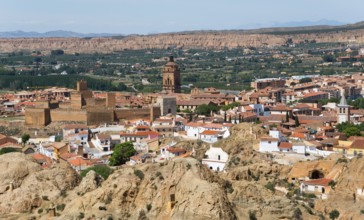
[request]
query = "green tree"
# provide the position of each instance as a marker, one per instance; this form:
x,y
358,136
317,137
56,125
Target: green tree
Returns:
x,y
305,80
206,109
25,138
122,153
334,214
296,121
6,150
328,58
352,131
102,170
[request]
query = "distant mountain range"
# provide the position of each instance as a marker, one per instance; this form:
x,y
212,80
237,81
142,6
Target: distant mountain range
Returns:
x,y
58,33
291,24
290,27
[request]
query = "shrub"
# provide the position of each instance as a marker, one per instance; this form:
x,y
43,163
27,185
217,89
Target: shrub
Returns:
x,y
102,170
6,150
45,198
188,166
297,214
149,207
108,199
252,215
142,215
228,186
342,160
334,214
139,174
362,211
270,186
332,183
60,207
40,211
63,193
309,195
81,215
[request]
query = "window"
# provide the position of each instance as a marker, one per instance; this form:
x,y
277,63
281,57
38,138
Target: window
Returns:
x,y
218,157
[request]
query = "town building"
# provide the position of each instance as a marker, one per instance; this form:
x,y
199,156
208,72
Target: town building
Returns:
x,y
215,159
171,77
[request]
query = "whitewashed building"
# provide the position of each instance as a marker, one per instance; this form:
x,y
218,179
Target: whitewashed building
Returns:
x,y
316,186
269,144
193,129
299,148
215,159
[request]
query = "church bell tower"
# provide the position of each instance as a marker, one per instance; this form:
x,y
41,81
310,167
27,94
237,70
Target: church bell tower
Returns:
x,y
343,111
171,77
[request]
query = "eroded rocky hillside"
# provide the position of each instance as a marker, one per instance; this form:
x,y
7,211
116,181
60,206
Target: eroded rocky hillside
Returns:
x,y
208,40
179,189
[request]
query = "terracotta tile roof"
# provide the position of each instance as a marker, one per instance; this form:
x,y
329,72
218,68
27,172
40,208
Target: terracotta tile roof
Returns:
x,y
281,108
285,145
352,138
194,102
312,94
319,182
195,124
79,161
142,127
176,150
140,134
298,135
209,132
301,106
103,136
213,125
357,144
331,141
67,156
248,108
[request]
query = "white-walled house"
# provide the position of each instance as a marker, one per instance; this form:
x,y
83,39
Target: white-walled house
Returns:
x,y
316,186
215,159
276,134
75,133
193,129
299,148
102,142
210,136
269,144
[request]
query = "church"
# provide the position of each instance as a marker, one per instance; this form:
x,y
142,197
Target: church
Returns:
x,y
171,77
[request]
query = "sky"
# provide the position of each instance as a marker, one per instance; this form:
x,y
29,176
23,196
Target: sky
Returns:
x,y
159,16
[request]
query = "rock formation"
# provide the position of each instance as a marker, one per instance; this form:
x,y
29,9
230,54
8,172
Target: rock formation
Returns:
x,y
207,40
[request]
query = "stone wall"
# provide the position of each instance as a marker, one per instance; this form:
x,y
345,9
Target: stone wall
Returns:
x,y
68,115
136,113
99,116
37,117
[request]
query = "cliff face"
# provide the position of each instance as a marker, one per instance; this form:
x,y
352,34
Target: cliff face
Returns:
x,y
24,185
218,40
178,190
344,196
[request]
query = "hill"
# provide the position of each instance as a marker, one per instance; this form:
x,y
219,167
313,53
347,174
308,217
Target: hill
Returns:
x,y
352,33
